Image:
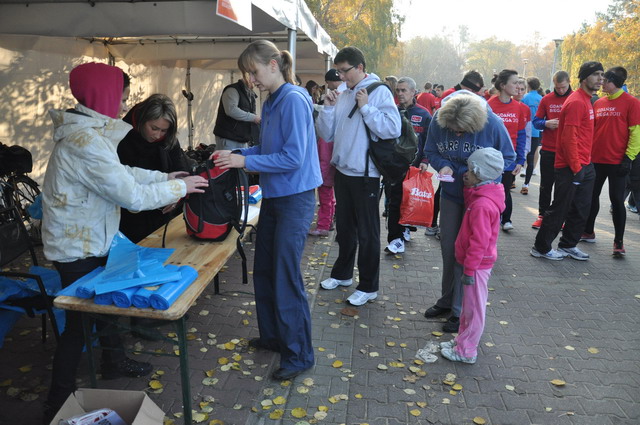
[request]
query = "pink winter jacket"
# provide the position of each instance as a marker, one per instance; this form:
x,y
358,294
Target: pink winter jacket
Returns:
x,y
477,242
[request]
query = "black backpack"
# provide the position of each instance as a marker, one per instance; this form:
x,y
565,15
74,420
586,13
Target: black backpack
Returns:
x,y
223,206
391,156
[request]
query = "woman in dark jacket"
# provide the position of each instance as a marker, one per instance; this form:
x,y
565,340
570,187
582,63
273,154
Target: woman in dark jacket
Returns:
x,y
152,145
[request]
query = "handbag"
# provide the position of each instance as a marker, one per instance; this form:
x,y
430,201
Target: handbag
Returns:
x,y
417,198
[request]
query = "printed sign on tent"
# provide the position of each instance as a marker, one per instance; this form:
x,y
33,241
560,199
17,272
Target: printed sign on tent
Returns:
x,y
238,11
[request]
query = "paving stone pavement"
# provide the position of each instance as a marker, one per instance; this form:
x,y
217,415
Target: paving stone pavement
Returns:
x,y
567,320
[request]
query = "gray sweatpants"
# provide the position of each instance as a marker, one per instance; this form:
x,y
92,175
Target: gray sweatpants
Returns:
x,y
451,214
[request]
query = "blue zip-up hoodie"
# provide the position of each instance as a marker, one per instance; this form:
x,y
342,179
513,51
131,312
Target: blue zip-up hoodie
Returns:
x,y
532,100
287,156
446,149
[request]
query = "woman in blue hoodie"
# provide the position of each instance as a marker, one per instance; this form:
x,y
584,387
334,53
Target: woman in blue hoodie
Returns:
x,y
462,125
287,160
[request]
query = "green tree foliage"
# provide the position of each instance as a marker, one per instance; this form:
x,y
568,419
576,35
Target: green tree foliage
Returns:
x,y
371,25
613,40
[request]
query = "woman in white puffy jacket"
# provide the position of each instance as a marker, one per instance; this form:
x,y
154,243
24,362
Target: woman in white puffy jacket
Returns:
x,y
84,187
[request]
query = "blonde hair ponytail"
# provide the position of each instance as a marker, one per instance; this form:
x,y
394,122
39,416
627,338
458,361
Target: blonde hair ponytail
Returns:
x,y
263,51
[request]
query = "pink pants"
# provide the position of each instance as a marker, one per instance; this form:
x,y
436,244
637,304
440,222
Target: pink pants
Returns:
x,y
327,207
474,308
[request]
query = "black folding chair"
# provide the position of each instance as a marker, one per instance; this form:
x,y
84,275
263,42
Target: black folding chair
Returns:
x,y
14,242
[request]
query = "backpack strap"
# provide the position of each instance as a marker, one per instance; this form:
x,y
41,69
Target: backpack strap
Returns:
x,y
370,88
242,190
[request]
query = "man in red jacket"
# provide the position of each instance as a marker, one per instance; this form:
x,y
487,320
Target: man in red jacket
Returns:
x,y
616,144
547,119
574,172
471,81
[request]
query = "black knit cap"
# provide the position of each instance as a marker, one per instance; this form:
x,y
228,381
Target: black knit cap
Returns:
x,y
589,68
332,75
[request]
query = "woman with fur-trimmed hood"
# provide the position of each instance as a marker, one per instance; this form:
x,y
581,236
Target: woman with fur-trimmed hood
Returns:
x,y
462,125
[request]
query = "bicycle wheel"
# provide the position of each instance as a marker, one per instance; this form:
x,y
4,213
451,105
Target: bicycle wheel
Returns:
x,y
24,194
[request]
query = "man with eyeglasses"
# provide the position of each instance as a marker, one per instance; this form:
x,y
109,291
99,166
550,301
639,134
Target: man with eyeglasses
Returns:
x,y
357,180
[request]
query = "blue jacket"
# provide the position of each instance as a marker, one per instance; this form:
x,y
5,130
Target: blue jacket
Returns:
x,y
445,149
420,118
287,156
532,100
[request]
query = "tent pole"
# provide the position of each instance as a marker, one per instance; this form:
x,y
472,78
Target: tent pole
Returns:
x,y
189,99
291,36
327,62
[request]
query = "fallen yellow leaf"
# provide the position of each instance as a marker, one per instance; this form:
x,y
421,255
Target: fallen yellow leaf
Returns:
x,y
593,350
155,384
337,364
415,412
358,396
25,368
298,412
479,421
457,387
276,414
558,382
223,360
437,333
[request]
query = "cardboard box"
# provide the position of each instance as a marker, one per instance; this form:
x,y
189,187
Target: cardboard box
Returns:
x,y
134,407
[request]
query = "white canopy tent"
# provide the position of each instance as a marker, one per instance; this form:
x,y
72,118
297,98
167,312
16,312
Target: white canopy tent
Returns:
x,y
163,34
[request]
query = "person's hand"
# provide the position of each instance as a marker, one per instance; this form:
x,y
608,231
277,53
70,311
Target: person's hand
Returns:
x,y
446,170
177,175
218,153
331,97
195,184
257,119
169,208
552,124
423,166
226,159
516,170
625,166
468,280
578,177
362,97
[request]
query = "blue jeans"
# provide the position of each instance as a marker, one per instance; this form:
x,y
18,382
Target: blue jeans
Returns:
x,y
283,313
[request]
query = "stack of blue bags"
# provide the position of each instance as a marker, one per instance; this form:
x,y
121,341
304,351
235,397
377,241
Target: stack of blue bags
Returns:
x,y
134,276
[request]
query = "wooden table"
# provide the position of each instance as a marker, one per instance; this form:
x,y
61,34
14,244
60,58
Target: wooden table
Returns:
x,y
206,257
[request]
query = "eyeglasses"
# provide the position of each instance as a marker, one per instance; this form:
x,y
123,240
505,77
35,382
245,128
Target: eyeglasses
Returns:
x,y
344,71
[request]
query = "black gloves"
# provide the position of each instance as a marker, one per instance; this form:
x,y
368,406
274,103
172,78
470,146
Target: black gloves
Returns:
x,y
625,166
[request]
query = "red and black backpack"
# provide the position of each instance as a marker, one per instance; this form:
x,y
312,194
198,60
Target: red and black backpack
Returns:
x,y
223,206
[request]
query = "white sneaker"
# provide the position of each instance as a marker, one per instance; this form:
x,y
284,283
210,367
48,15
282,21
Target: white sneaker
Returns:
x,y
432,231
396,246
332,283
361,298
406,234
507,226
448,344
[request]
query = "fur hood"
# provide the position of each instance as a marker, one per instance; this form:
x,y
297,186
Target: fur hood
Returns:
x,y
463,111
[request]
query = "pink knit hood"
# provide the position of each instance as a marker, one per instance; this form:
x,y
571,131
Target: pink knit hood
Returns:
x,y
98,86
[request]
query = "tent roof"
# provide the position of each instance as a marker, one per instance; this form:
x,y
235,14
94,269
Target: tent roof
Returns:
x,y
169,29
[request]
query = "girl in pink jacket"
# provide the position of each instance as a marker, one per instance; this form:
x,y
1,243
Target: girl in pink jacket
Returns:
x,y
476,249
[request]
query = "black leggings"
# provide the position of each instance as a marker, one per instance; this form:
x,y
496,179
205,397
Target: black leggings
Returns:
x,y
617,185
535,142
69,349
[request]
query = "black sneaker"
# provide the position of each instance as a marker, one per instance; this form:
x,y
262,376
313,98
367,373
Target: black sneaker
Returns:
x,y
127,367
451,325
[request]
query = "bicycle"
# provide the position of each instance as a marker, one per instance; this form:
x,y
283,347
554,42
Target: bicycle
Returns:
x,y
16,188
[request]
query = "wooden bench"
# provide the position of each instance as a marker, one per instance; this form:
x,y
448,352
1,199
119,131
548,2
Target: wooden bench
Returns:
x,y
207,258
